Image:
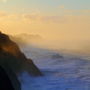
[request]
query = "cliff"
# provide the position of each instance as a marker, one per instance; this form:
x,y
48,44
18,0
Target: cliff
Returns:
x,y
11,56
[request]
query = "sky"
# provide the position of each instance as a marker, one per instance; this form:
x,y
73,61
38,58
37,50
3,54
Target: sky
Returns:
x,y
66,21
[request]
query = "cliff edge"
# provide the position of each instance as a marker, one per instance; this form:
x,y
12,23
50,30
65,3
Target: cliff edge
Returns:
x,y
11,56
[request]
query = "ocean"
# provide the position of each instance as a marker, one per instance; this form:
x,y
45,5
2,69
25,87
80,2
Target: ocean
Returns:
x,y
62,71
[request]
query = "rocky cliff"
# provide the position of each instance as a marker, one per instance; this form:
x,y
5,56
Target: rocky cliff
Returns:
x,y
11,56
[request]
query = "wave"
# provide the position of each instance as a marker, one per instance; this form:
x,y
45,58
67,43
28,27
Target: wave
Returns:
x,y
62,72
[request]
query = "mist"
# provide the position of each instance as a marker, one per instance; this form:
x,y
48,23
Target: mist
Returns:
x,y
60,44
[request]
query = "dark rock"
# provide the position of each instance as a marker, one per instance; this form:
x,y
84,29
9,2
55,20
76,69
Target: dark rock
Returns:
x,y
57,56
8,80
11,55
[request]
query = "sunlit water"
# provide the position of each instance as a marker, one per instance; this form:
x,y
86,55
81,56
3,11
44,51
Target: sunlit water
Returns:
x,y
60,72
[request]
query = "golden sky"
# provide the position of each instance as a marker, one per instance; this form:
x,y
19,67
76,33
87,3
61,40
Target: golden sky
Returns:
x,y
58,20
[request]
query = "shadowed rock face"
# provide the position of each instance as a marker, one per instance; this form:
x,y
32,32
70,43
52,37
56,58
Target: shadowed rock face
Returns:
x,y
8,80
5,82
11,56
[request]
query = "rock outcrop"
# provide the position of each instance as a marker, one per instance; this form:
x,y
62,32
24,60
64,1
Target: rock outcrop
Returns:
x,y
8,79
11,56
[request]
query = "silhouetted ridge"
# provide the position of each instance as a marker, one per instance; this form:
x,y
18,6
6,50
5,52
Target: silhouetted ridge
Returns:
x,y
11,55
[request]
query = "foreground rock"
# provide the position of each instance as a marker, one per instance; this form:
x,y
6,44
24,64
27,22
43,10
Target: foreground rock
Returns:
x,y
11,56
8,79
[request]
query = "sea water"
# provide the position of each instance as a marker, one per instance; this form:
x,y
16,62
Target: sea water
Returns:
x,y
61,72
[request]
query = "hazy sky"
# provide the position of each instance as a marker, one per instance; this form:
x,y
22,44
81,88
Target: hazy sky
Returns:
x,y
63,20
